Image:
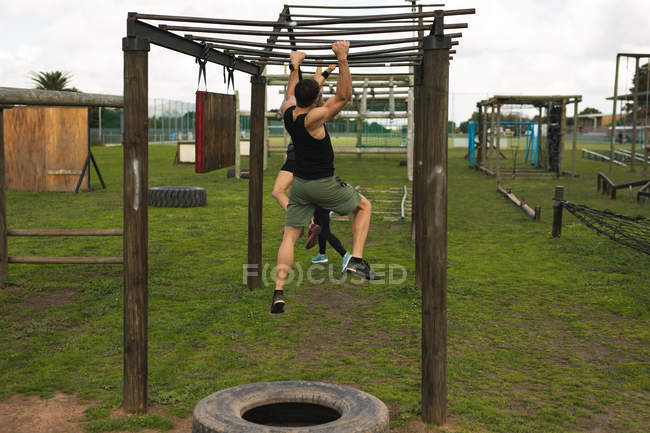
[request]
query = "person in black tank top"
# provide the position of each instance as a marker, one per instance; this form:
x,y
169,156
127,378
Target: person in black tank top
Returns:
x,y
320,230
314,184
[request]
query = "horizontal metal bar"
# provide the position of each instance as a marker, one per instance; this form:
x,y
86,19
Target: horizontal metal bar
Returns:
x,y
177,43
40,260
362,7
236,50
64,232
324,46
368,30
15,96
356,65
352,62
298,24
398,76
412,27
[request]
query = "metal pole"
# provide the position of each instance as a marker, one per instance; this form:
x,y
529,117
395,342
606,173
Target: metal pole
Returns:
x,y
634,113
431,229
100,125
135,222
256,172
611,146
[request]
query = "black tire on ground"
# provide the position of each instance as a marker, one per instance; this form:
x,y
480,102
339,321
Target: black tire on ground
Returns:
x,y
177,196
244,173
270,403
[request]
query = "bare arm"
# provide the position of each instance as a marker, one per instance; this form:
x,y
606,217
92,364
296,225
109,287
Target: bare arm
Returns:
x,y
335,104
319,77
296,58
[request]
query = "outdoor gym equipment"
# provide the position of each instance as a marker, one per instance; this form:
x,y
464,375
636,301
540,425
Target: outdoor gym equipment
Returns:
x,y
430,61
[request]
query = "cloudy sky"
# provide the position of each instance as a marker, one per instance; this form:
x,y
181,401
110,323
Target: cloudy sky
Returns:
x,y
511,46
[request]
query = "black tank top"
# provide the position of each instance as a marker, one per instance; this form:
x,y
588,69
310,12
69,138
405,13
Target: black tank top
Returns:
x,y
314,158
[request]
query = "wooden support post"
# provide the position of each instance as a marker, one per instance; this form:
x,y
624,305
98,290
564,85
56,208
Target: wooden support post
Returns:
x,y
431,225
4,263
484,137
613,137
560,151
548,136
237,137
575,138
491,151
635,110
646,131
498,140
557,211
255,199
266,133
410,131
135,222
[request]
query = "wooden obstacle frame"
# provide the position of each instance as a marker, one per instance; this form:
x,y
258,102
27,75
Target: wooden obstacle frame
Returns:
x,y
635,108
13,96
489,148
605,186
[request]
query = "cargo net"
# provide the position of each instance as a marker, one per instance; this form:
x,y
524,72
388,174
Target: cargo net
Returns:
x,y
633,232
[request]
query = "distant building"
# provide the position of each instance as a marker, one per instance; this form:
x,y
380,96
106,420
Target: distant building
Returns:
x,y
598,122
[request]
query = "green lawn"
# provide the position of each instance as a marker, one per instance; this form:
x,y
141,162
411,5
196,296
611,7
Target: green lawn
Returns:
x,y
544,335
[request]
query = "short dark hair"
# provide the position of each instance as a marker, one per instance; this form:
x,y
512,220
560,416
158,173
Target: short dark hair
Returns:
x,y
306,92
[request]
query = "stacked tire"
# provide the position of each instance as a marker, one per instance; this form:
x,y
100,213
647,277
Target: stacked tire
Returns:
x,y
177,197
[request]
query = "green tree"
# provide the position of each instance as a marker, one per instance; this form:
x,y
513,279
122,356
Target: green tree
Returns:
x,y
590,110
640,81
55,80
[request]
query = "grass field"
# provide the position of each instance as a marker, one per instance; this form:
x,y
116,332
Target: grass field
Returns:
x,y
544,335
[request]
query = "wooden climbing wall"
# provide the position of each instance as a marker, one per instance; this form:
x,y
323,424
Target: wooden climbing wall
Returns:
x,y
215,131
45,147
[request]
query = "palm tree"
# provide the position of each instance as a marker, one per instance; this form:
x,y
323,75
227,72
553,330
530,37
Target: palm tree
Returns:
x,y
55,80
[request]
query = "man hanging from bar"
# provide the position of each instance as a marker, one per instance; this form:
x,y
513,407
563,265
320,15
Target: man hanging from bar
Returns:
x,y
314,184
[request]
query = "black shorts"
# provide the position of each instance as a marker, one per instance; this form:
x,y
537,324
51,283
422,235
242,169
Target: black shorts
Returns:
x,y
289,165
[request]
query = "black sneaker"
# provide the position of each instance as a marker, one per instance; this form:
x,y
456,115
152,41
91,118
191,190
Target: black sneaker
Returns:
x,y
362,269
277,305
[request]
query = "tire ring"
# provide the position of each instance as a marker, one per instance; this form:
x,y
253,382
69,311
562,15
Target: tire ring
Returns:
x,y
222,411
177,197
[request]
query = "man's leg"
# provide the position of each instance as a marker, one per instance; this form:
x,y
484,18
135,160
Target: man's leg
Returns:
x,y
285,261
360,226
280,187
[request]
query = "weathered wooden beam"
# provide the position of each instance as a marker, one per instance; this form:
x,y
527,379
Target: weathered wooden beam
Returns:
x,y
41,260
431,228
574,148
534,214
136,271
613,135
557,211
255,199
635,109
65,232
16,96
4,268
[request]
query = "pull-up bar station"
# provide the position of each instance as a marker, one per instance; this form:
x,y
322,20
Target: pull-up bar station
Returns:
x,y
430,61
